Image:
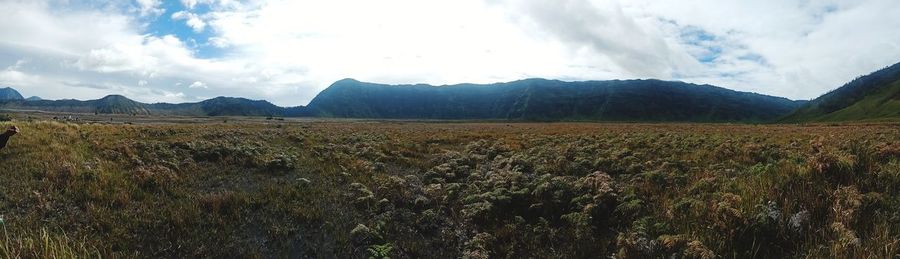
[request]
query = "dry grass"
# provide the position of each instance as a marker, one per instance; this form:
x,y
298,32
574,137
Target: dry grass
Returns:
x,y
359,189
45,245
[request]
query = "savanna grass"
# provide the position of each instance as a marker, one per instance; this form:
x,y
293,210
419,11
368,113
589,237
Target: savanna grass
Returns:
x,y
476,190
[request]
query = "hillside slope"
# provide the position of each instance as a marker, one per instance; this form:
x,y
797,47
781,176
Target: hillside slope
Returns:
x,y
540,99
872,97
10,94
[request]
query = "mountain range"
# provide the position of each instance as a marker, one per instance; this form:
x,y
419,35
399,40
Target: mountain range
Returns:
x,y
871,97
117,104
549,100
531,99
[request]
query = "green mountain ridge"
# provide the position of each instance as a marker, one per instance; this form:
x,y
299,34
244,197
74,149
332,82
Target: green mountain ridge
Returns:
x,y
529,100
220,106
871,97
550,100
874,97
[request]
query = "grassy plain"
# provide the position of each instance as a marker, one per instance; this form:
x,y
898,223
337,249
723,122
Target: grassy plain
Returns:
x,y
268,188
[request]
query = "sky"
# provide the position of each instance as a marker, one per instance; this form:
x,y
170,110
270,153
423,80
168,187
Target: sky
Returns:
x,y
287,51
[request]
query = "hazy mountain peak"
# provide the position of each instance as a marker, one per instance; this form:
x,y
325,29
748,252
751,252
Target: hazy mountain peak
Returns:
x,y
346,80
8,93
115,97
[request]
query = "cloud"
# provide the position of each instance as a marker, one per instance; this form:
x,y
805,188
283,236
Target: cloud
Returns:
x,y
118,53
51,51
150,7
189,4
19,64
17,78
287,51
90,85
192,20
305,43
808,47
605,30
198,84
218,42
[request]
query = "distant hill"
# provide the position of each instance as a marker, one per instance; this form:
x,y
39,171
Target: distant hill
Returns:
x,y
112,104
872,97
33,98
10,94
221,106
117,104
540,99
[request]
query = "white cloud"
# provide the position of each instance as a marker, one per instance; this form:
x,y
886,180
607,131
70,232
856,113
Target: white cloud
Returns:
x,y
191,19
605,32
174,96
189,4
198,84
52,53
19,64
798,49
305,42
287,51
150,7
17,78
218,42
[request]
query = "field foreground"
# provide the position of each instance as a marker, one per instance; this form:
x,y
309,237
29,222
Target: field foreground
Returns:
x,y
444,190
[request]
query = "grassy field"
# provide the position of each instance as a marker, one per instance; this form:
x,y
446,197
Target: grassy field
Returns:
x,y
442,190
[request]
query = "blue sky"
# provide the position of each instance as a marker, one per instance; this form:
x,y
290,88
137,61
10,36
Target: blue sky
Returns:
x,y
164,24
704,41
287,51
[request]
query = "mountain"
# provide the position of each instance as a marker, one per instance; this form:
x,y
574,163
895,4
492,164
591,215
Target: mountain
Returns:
x,y
530,99
112,104
33,98
872,97
221,106
9,94
117,104
541,99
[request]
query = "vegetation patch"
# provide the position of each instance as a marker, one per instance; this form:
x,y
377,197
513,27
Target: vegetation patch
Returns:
x,y
439,190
